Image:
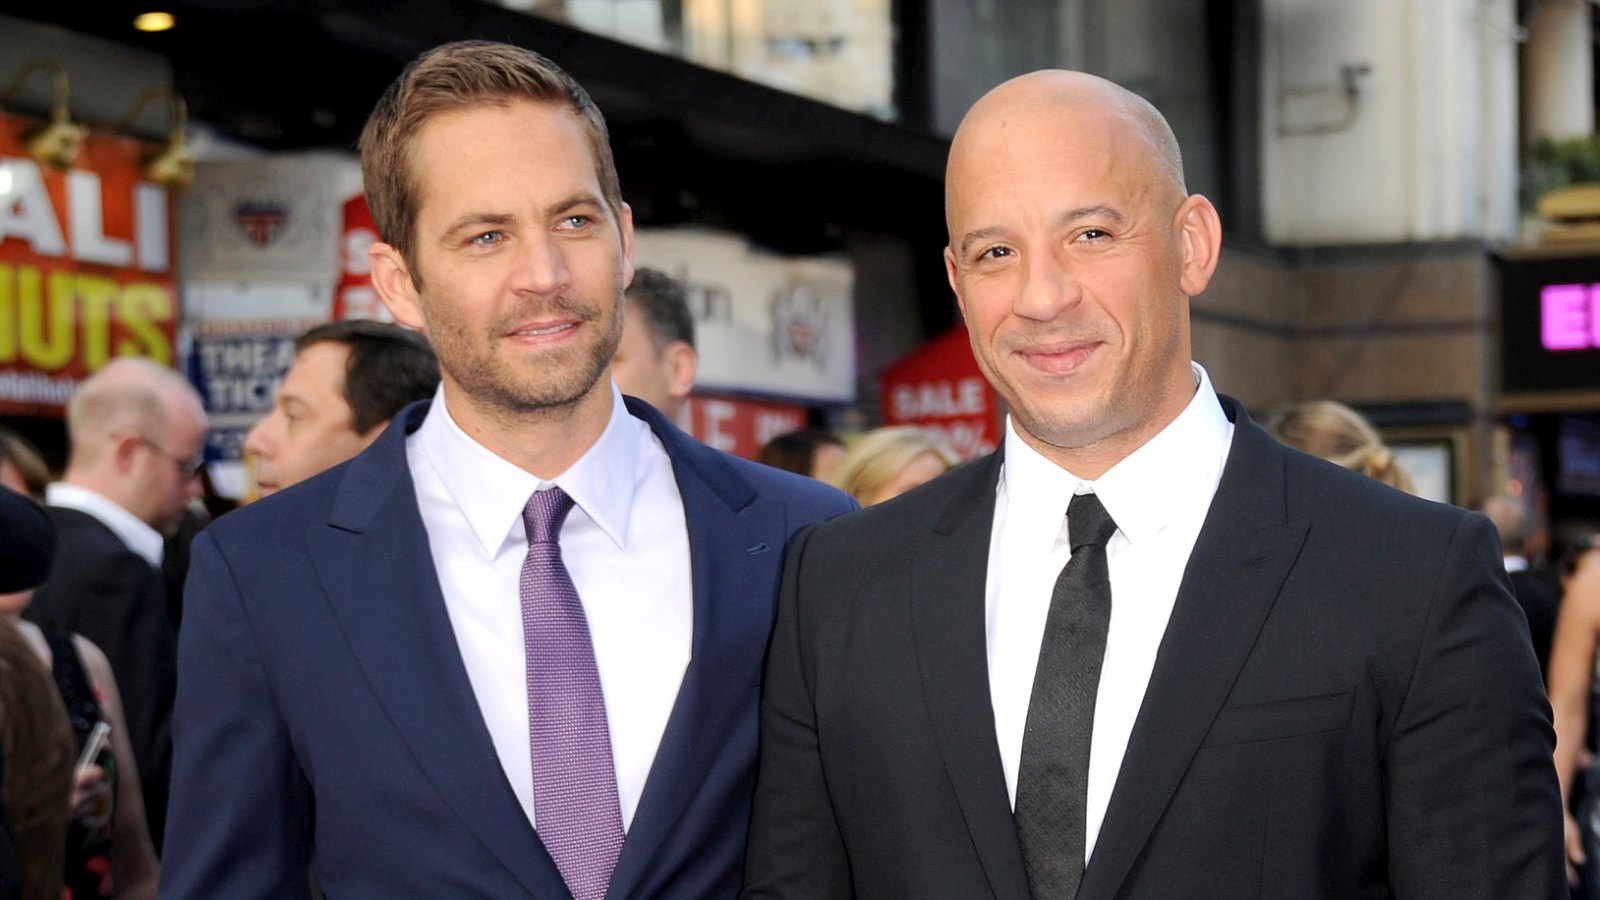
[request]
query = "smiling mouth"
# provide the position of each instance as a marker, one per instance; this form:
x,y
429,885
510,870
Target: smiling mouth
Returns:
x,y
1060,360
540,332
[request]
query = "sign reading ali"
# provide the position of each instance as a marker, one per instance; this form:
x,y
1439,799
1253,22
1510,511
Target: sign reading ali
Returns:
x,y
86,269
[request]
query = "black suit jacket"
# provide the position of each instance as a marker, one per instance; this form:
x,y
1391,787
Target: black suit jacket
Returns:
x,y
1344,706
102,590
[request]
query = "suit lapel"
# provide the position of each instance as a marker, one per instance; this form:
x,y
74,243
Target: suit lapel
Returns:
x,y
948,585
373,559
1245,550
735,546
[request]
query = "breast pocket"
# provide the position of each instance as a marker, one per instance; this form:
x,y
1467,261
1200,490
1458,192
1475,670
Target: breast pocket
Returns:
x,y
1278,719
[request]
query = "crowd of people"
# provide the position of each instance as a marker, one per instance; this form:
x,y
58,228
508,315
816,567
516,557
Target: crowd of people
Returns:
x,y
498,628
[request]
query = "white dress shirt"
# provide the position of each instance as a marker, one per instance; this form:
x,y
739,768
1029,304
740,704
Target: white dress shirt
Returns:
x,y
132,530
626,547
1158,496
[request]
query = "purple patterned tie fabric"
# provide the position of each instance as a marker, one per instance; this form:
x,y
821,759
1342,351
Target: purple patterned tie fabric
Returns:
x,y
575,801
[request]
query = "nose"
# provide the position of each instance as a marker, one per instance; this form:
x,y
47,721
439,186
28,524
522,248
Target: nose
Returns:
x,y
255,441
1050,287
541,267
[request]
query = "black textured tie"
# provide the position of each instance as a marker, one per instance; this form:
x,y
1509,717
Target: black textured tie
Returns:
x,y
1053,777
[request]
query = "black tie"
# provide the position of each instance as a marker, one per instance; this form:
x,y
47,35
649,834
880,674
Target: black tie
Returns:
x,y
1053,777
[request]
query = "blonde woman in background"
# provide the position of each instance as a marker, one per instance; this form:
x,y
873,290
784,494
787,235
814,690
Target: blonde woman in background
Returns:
x,y
1340,435
887,462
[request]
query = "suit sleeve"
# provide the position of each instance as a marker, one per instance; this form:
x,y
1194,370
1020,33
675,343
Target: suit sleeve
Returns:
x,y
795,849
239,822
1474,812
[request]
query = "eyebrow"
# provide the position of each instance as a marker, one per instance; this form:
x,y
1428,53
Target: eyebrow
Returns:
x,y
1068,217
478,220
500,220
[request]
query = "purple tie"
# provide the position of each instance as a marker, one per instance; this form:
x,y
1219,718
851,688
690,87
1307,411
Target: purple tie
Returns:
x,y
575,801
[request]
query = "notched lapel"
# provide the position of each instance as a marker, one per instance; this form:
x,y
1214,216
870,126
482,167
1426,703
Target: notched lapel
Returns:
x,y
731,531
949,570
373,560
1238,566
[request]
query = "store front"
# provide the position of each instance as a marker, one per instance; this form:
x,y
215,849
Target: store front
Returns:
x,y
1550,378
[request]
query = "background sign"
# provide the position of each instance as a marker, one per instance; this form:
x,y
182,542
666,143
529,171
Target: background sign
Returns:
x,y
739,426
86,268
767,324
1550,323
277,218
940,387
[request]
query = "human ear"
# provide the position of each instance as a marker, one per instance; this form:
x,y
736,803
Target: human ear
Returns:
x,y
681,364
391,278
1200,234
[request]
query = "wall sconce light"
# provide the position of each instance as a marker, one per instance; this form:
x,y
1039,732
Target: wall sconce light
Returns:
x,y
172,164
57,141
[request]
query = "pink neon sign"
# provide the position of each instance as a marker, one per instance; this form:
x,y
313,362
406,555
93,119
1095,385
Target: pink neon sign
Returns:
x,y
1569,316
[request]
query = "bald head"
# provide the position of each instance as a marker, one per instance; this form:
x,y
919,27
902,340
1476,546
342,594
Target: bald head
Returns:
x,y
135,429
128,393
1069,106
1511,519
1074,250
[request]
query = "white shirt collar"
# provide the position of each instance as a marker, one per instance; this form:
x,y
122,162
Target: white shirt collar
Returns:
x,y
129,528
1516,563
491,491
1172,471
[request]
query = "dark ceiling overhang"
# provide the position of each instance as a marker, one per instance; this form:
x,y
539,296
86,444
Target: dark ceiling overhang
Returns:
x,y
692,144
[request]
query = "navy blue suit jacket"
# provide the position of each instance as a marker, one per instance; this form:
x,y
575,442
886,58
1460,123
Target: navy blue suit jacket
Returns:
x,y
325,719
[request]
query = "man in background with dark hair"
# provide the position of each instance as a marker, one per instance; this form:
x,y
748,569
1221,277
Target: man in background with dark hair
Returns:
x,y
348,380
656,360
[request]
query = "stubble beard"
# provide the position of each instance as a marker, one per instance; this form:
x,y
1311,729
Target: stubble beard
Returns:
x,y
513,392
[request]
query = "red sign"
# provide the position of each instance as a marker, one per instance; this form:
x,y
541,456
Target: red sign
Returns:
x,y
739,426
86,268
355,298
939,387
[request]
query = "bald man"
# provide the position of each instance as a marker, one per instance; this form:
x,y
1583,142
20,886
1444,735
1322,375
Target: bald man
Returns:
x,y
1143,651
137,431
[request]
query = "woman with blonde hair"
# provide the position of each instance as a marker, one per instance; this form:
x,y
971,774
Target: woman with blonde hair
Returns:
x,y
887,462
1340,435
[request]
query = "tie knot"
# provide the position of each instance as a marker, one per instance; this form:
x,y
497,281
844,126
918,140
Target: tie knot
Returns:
x,y
543,515
1088,522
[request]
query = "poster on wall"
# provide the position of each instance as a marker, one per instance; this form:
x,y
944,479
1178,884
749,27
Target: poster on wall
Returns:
x,y
773,325
940,387
241,338
86,268
276,218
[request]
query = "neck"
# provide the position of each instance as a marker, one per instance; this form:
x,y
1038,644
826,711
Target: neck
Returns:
x,y
92,480
1094,458
543,442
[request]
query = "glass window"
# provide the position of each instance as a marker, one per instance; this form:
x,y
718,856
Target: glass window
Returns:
x,y
837,51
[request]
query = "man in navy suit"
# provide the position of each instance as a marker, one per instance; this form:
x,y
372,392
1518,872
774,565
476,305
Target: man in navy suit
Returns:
x,y
366,690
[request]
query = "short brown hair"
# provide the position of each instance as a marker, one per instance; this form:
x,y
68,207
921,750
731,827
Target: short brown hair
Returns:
x,y
454,76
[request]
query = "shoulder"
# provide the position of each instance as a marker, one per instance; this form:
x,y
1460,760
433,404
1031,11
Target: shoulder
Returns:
x,y
79,531
267,522
1321,491
740,481
942,504
807,493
